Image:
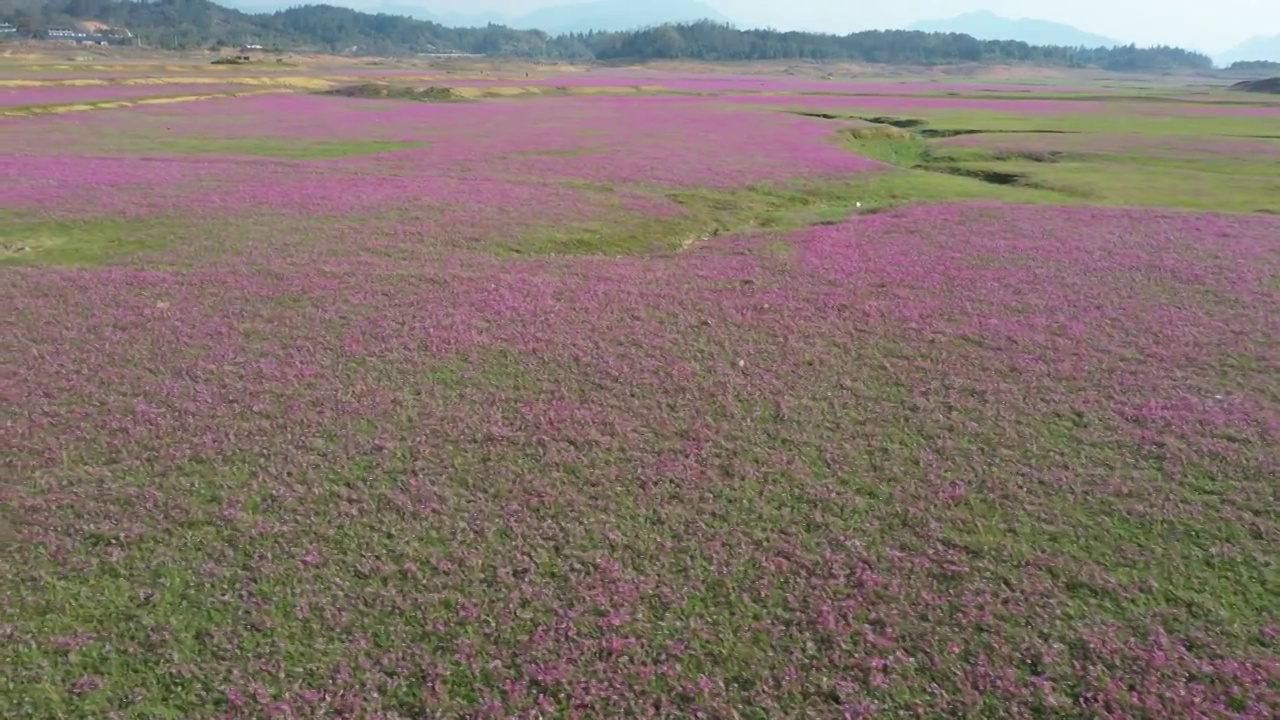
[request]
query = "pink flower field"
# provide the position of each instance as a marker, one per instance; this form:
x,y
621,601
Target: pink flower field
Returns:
x,y
478,156
893,103
714,82
688,83
925,104
304,423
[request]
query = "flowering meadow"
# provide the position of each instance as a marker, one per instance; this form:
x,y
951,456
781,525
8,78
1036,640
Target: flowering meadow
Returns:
x,y
656,406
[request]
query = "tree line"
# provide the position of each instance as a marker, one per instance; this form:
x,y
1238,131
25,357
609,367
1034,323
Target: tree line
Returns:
x,y
186,24
1256,65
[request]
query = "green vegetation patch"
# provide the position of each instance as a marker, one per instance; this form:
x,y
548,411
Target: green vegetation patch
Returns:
x,y
81,242
705,213
386,91
1101,181
925,171
886,143
86,242
950,122
1207,181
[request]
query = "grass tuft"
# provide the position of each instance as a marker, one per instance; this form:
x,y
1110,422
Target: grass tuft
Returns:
x,y
386,91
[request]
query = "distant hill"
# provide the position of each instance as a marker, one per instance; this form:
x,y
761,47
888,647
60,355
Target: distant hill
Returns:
x,y
1266,67
449,19
264,6
613,15
1259,48
598,15
399,8
189,24
417,12
985,25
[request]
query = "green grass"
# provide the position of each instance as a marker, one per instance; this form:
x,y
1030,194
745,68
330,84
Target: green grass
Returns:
x,y
1204,181
886,144
707,213
1258,166
1153,96
79,242
925,171
91,242
1105,182
1106,123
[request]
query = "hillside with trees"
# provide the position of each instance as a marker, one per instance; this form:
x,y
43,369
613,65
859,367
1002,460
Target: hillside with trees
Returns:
x,y
1256,49
200,23
1255,66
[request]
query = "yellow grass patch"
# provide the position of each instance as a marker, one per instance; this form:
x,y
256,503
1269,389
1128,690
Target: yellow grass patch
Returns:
x,y
613,89
396,79
189,98
499,91
877,131
18,246
491,91
118,104
69,82
308,82
298,82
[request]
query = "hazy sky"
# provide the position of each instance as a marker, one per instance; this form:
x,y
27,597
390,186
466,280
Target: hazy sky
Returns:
x,y
1207,25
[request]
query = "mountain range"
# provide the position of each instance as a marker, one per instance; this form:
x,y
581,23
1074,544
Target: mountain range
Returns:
x,y
191,24
985,25
606,15
620,15
1258,48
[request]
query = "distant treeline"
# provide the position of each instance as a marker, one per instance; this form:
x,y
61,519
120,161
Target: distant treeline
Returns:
x,y
200,23
1254,65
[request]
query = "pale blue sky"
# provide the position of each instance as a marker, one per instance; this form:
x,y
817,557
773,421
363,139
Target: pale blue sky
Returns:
x,y
1207,25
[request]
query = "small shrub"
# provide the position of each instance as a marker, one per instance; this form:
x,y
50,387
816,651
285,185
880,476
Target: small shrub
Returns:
x,y
384,91
878,132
